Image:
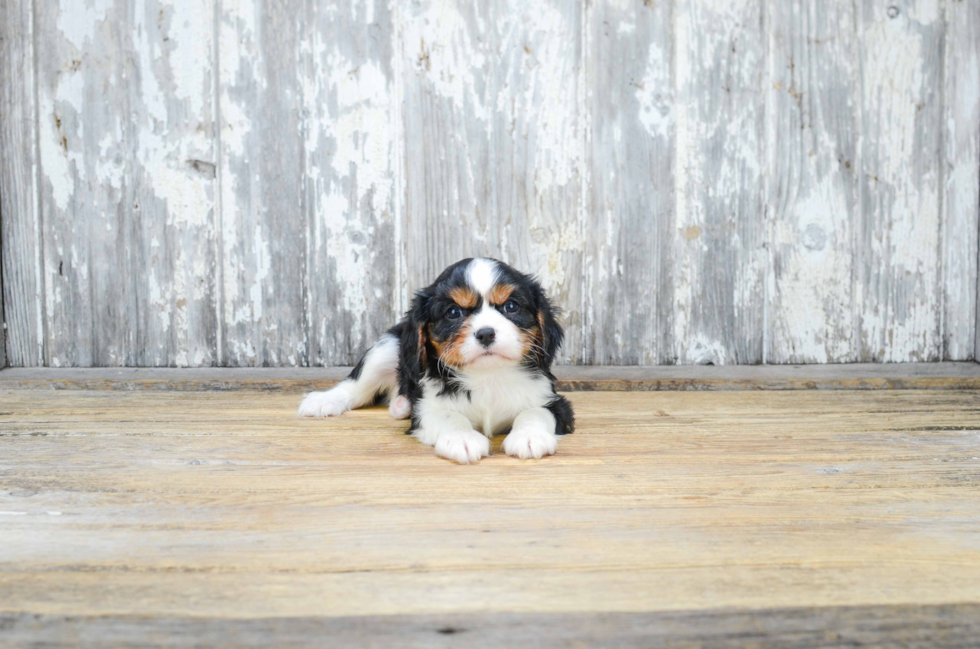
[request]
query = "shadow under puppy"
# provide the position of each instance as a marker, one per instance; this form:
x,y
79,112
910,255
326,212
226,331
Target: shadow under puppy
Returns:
x,y
473,354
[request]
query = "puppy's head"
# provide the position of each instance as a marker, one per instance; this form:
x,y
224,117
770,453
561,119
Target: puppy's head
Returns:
x,y
481,314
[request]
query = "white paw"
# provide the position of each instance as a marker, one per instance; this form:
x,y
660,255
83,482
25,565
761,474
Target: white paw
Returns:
x,y
325,404
530,442
400,407
463,447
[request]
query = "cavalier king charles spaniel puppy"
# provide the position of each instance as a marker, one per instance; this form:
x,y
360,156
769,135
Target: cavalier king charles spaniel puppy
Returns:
x,y
472,358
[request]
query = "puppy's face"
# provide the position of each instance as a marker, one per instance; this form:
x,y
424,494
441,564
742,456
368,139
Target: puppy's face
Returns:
x,y
482,315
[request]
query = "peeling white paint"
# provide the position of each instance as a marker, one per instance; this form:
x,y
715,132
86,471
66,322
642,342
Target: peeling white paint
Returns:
x,y
901,190
701,350
447,55
54,158
540,82
188,50
263,261
78,20
816,318
655,95
509,121
686,174
349,129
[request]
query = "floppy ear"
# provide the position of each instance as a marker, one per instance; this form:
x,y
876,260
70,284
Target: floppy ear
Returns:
x,y
413,357
552,334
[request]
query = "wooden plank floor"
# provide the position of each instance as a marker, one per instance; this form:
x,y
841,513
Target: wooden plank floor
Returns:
x,y
218,508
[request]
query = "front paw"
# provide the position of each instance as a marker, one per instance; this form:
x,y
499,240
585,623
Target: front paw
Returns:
x,y
325,404
530,442
463,447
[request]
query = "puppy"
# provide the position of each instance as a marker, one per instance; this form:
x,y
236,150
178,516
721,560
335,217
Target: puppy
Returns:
x,y
471,359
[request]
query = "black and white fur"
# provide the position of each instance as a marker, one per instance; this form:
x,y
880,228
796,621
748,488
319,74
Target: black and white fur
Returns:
x,y
472,358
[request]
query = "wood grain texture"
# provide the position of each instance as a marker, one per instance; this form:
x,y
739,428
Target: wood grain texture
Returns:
x,y
912,627
813,181
20,260
126,157
445,54
224,505
494,143
349,193
630,275
264,228
901,51
264,183
540,135
961,178
3,330
719,240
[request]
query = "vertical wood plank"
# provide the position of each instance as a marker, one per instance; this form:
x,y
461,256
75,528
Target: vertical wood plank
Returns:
x,y
19,214
631,211
84,108
539,151
263,224
446,59
719,241
814,97
125,138
3,328
494,143
349,129
961,174
3,320
899,241
176,156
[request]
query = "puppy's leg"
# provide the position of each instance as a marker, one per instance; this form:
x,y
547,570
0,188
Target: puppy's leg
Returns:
x,y
453,436
532,435
400,407
375,374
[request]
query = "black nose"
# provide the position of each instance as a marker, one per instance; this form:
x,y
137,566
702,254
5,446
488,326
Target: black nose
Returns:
x,y
485,336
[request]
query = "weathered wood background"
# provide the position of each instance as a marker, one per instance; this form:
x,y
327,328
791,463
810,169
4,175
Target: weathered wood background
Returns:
x,y
264,182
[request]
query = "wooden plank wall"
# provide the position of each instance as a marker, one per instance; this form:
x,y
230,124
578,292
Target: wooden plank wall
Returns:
x,y
19,289
208,182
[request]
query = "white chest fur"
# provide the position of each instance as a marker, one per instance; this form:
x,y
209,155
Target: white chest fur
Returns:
x,y
495,398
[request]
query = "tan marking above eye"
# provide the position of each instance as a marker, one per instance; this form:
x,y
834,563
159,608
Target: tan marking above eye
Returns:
x,y
501,293
464,297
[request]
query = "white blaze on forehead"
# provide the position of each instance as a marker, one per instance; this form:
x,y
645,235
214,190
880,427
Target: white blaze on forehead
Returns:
x,y
481,275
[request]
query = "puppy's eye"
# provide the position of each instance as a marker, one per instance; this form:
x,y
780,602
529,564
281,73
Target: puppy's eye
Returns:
x,y
510,306
454,312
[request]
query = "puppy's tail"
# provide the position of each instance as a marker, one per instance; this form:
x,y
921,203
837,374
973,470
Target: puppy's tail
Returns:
x,y
374,377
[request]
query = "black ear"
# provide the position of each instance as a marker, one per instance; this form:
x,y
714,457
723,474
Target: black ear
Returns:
x,y
552,334
413,358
